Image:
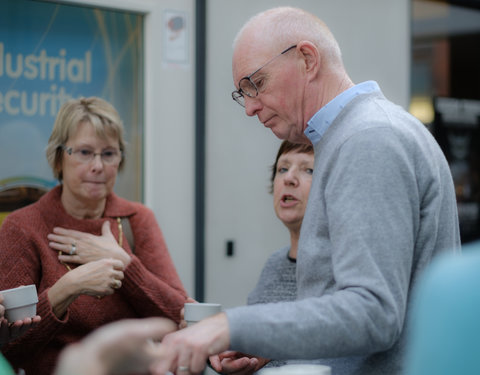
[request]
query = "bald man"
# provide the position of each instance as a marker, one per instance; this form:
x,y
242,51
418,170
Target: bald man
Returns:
x,y
381,206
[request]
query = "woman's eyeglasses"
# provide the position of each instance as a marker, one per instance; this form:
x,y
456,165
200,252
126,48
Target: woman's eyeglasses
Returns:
x,y
86,155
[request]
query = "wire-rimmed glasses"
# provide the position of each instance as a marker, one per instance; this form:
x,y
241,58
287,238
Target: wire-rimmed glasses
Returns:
x,y
87,155
247,87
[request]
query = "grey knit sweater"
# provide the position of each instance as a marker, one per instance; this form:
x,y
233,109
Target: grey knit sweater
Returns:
x,y
277,282
381,205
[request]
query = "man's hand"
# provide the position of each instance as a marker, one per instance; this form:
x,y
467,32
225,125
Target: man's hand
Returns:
x,y
186,351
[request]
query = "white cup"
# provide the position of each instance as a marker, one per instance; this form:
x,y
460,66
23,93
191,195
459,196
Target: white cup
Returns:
x,y
20,303
195,312
297,369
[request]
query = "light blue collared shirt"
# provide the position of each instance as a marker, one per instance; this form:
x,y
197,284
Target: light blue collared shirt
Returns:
x,y
320,122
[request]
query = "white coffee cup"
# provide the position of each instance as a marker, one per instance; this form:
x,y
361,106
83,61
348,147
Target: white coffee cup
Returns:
x,y
195,312
297,369
20,303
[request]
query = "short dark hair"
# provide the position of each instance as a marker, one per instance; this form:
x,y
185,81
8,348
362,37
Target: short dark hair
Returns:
x,y
286,147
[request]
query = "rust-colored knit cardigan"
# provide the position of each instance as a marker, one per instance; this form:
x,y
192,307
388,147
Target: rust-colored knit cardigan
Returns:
x,y
151,286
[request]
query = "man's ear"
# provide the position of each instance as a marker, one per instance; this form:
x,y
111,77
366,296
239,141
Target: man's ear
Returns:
x,y
311,57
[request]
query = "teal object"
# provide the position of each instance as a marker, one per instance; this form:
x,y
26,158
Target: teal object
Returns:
x,y
445,325
5,368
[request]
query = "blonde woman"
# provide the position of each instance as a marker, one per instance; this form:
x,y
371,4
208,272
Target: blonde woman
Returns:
x,y
72,245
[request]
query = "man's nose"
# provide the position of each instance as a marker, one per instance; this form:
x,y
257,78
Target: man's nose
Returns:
x,y
252,106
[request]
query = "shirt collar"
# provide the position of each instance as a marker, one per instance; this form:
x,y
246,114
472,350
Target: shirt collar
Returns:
x,y
321,121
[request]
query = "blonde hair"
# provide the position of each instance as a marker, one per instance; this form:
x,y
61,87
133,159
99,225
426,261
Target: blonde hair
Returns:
x,y
99,113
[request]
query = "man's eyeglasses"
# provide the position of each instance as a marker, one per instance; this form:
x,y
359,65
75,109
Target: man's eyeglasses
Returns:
x,y
86,155
247,87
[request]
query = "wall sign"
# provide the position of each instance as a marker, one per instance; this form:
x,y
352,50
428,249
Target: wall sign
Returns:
x,y
50,53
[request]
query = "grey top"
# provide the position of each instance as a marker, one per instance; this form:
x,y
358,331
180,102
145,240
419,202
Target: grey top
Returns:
x,y
277,281
381,205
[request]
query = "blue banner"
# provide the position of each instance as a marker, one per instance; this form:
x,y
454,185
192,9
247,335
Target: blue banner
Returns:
x,y
50,53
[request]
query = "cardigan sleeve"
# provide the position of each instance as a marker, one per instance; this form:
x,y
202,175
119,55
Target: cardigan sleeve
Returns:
x,y
19,265
151,282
